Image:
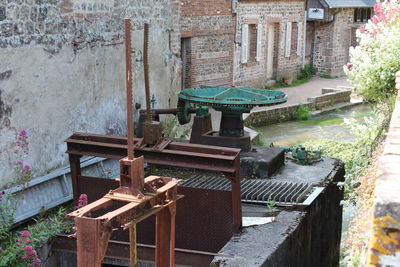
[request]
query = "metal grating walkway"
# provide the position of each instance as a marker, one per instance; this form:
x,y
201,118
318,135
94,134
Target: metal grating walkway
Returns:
x,y
257,190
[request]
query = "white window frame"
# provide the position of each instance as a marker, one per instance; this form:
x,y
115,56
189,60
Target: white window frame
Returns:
x,y
288,38
299,49
245,43
259,42
245,49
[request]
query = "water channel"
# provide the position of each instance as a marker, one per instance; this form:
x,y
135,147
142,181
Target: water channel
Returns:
x,y
326,126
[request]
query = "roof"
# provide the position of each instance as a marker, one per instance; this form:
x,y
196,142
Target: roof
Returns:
x,y
350,3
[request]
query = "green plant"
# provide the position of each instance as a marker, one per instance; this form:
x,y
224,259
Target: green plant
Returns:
x,y
306,72
6,214
282,117
356,155
271,205
19,248
327,76
374,62
302,112
172,128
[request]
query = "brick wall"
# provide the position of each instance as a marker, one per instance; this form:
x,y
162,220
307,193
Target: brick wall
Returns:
x,y
210,26
264,13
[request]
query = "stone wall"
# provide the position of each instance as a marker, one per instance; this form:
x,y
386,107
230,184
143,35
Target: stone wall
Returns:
x,y
384,249
254,73
329,97
209,25
62,70
332,41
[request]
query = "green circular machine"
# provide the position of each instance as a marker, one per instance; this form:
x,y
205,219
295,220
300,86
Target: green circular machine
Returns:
x,y
232,102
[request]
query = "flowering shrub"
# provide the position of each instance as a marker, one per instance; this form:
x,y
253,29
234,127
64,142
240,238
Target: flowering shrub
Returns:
x,y
23,170
82,201
20,249
6,215
374,62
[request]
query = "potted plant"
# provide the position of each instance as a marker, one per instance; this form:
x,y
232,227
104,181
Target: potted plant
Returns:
x,y
288,79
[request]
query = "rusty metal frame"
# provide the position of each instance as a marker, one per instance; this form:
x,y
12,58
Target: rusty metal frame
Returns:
x,y
176,154
119,250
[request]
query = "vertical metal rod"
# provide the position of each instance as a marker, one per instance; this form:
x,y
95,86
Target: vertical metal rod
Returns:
x,y
75,163
133,248
128,80
146,71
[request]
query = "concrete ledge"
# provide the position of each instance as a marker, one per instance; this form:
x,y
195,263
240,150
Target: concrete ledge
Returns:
x,y
384,249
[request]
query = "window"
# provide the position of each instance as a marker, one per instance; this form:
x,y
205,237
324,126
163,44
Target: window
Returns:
x,y
251,42
362,14
293,37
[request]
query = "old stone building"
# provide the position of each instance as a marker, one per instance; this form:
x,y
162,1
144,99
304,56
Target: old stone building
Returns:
x,y
331,30
241,42
62,62
207,35
269,41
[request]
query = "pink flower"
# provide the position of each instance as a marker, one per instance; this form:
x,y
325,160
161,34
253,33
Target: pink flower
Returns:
x,y
349,67
25,233
375,19
37,262
27,167
23,132
83,201
20,162
362,29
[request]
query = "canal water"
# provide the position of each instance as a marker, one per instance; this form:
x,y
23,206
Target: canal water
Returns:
x,y
326,126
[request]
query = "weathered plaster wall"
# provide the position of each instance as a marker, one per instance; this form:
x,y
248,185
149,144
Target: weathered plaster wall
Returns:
x,y
62,70
278,12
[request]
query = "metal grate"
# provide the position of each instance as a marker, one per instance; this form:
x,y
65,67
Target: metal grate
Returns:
x,y
259,190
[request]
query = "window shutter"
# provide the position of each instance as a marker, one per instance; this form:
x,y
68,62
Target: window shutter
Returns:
x,y
245,41
288,38
259,35
299,38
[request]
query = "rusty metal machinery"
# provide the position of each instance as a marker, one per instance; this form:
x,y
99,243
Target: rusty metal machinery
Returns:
x,y
142,197
138,198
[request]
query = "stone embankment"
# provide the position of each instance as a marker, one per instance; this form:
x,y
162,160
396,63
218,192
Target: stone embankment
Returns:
x,y
384,246
330,99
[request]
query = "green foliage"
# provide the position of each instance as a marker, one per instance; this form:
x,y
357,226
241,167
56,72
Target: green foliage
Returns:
x,y
356,155
374,62
306,72
14,244
172,128
6,215
327,76
302,113
271,205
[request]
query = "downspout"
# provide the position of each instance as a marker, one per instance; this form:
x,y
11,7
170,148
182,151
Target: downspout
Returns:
x,y
234,17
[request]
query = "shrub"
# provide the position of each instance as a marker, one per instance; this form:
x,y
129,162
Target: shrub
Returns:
x,y
374,62
306,72
302,113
